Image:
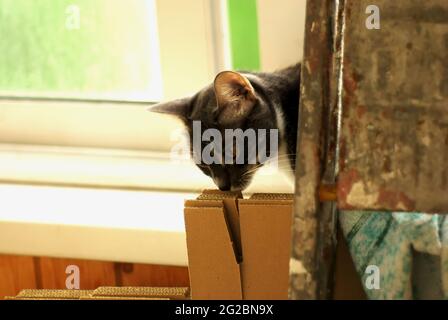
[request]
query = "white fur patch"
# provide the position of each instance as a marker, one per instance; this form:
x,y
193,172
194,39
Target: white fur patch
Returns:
x,y
280,119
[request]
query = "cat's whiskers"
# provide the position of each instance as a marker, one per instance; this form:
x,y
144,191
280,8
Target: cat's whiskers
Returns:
x,y
289,155
284,164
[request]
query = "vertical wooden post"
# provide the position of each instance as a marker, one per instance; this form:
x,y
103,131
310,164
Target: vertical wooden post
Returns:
x,y
314,223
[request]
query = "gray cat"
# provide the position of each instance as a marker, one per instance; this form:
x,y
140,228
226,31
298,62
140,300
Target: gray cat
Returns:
x,y
244,100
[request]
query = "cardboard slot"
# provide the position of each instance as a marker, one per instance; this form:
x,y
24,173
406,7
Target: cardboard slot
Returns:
x,y
221,228
230,203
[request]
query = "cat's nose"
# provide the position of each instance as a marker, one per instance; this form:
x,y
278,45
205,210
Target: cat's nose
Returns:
x,y
224,186
223,183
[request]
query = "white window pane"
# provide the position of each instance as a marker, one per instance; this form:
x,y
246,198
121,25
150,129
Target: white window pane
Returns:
x,y
80,48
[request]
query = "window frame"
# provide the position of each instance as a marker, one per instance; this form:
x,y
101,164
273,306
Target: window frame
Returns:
x,y
176,75
33,125
77,142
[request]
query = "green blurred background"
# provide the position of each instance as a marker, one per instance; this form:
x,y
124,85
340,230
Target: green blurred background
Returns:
x,y
41,53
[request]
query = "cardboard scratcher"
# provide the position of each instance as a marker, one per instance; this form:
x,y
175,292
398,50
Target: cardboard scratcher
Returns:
x,y
106,293
238,248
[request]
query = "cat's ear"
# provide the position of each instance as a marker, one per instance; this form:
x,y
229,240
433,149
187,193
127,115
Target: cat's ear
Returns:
x,y
180,108
235,97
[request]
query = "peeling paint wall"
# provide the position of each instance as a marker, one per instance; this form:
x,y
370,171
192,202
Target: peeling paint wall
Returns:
x,y
383,138
394,138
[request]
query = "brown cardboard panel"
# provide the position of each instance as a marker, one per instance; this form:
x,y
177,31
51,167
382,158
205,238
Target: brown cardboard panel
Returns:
x,y
213,267
265,237
231,215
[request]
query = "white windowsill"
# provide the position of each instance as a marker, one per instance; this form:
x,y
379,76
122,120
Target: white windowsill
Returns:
x,y
109,225
135,222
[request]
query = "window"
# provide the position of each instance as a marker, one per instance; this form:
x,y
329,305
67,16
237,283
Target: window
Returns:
x,y
86,49
76,77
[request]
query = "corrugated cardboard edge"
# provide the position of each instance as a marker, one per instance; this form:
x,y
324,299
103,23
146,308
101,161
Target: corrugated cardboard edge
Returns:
x,y
106,293
272,196
142,292
59,294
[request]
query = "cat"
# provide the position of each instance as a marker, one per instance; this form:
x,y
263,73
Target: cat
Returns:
x,y
243,100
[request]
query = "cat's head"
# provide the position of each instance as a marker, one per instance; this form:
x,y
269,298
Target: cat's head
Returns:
x,y
232,102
